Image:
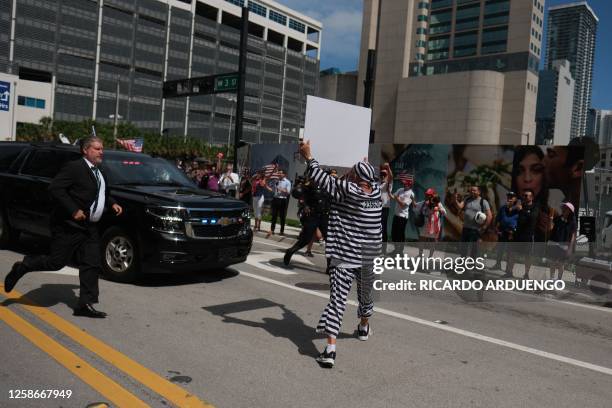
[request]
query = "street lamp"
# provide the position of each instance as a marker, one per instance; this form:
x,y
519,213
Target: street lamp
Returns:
x,y
116,118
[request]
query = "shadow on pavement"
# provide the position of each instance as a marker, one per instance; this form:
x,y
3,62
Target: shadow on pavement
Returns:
x,y
290,327
185,278
48,295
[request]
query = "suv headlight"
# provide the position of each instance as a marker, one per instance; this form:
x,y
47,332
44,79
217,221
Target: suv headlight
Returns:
x,y
246,216
168,220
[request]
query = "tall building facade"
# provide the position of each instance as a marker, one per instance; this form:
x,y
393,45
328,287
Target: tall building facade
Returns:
x,y
338,86
599,126
571,35
465,71
85,47
555,105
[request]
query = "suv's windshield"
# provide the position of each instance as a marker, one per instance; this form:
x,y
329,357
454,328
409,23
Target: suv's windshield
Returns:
x,y
145,171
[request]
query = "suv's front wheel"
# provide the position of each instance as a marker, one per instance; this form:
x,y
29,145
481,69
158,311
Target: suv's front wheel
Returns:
x,y
119,255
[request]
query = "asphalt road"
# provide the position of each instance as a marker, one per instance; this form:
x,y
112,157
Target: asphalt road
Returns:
x,y
244,337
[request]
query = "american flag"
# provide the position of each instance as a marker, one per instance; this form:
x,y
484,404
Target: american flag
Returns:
x,y
270,169
131,145
275,175
405,177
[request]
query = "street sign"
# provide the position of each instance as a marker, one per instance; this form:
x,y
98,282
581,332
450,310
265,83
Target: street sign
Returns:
x,y
226,83
201,85
5,95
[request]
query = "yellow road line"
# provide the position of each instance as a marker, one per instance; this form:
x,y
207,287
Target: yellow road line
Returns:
x,y
79,367
171,392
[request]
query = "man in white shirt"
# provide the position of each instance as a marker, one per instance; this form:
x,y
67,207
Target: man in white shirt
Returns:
x,y
280,201
229,182
404,202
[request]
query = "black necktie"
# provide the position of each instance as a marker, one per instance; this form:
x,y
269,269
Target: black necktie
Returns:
x,y
96,173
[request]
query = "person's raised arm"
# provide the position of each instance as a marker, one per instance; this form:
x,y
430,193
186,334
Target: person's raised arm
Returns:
x,y
337,188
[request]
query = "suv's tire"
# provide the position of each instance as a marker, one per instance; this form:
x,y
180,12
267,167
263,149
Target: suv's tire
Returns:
x,y
8,235
119,255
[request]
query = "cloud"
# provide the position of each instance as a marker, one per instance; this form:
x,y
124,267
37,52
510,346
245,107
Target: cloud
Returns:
x,y
341,29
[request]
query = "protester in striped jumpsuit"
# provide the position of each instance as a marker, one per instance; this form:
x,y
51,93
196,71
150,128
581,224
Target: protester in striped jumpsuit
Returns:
x,y
354,238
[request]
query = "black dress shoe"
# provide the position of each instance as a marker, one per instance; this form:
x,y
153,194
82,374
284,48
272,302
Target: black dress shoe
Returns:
x,y
288,254
13,277
88,310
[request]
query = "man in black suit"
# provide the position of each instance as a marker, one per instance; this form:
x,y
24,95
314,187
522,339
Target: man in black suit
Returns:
x,y
80,194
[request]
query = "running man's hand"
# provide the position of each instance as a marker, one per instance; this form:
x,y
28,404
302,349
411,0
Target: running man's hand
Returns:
x,y
79,215
118,210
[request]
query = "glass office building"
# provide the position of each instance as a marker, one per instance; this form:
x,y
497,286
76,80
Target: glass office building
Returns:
x,y
465,71
571,34
86,47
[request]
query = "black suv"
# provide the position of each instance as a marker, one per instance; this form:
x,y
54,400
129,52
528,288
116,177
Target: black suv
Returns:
x,y
168,223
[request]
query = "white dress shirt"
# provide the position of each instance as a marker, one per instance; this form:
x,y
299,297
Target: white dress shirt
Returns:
x,y
95,216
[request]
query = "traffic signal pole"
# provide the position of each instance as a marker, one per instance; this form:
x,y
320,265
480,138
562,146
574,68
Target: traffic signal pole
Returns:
x,y
244,35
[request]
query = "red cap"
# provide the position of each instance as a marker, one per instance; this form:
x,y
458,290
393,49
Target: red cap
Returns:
x,y
430,191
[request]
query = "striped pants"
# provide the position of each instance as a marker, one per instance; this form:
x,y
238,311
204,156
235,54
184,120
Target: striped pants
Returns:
x,y
341,280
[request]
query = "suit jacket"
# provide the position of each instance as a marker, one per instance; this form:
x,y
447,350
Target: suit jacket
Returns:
x,y
75,188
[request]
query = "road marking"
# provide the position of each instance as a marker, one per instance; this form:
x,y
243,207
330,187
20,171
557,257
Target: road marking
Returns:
x,y
566,302
261,260
171,392
79,367
450,329
259,241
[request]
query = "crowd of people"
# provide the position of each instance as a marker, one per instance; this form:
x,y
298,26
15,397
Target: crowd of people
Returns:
x,y
521,225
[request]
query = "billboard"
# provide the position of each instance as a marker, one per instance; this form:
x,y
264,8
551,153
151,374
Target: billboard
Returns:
x,y
553,173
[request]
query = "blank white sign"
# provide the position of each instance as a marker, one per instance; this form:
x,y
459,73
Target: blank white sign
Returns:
x,y
338,132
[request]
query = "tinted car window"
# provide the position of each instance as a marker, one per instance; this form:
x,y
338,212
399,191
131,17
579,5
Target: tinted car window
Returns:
x,y
47,163
8,154
143,170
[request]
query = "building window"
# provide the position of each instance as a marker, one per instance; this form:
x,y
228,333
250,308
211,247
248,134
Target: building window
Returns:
x,y
239,3
465,44
421,30
258,8
278,17
437,48
436,4
421,44
494,40
496,12
440,22
421,17
31,102
420,57
423,5
297,26
467,17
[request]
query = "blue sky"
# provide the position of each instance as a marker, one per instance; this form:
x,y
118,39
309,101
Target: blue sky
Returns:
x,y
342,32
